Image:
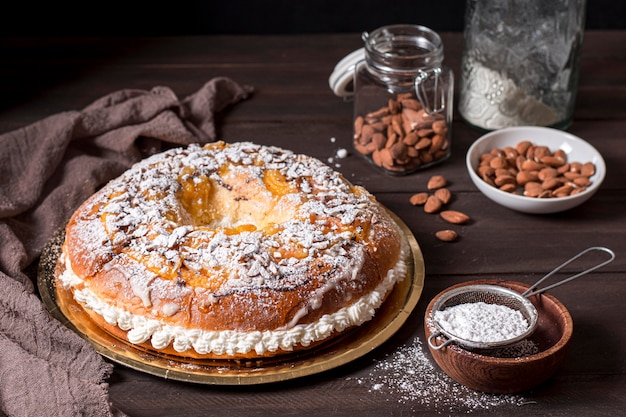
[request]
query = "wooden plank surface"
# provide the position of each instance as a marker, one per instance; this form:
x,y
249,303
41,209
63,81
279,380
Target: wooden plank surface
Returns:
x,y
294,108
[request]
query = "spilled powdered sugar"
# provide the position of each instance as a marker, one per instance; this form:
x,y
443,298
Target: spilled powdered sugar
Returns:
x,y
408,374
338,155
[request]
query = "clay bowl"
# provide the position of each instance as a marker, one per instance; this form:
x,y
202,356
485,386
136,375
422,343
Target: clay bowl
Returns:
x,y
482,371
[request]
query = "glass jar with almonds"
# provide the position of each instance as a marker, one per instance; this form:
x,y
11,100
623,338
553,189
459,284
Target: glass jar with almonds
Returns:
x,y
403,99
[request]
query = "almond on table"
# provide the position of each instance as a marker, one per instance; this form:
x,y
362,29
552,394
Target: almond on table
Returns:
x,y
454,216
446,235
436,181
434,201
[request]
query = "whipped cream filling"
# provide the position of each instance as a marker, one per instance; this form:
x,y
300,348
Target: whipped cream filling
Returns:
x,y
231,342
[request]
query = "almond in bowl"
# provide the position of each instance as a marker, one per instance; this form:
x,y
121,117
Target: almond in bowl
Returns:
x,y
535,169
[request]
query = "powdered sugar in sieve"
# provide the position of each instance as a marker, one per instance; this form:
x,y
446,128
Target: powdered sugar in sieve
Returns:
x,y
491,316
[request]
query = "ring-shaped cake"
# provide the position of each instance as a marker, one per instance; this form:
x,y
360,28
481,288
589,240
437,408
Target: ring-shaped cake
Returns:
x,y
230,251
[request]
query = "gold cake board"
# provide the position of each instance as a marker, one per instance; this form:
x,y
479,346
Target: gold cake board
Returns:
x,y
340,350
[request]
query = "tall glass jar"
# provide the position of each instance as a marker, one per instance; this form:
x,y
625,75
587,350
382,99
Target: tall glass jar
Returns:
x,y
520,62
403,99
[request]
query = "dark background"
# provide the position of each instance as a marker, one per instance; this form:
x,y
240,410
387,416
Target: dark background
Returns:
x,y
253,17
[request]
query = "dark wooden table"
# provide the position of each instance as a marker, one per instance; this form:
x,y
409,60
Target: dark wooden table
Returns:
x,y
294,108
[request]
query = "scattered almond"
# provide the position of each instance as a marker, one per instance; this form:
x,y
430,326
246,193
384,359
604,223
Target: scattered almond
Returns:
x,y
436,181
454,217
433,204
435,200
446,235
418,199
444,195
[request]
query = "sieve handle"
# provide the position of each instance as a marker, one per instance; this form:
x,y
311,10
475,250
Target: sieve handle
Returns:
x,y
530,291
431,341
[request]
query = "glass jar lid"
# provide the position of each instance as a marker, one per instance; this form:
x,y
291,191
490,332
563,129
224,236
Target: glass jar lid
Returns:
x,y
402,48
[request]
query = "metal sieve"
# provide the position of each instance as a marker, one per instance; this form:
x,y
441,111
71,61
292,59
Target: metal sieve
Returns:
x,y
495,294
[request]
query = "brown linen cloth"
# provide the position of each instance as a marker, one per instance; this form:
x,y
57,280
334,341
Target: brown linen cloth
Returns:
x,y
47,170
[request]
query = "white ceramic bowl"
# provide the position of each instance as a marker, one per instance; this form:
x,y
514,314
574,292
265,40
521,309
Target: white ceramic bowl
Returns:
x,y
577,150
